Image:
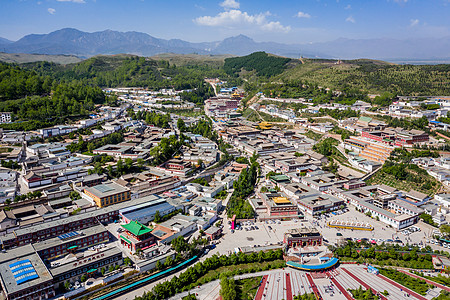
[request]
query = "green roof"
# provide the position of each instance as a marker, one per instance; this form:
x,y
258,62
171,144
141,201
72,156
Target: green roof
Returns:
x,y
126,240
136,228
365,119
279,178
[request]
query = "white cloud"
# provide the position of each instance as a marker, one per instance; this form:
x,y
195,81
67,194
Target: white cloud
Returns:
x,y
51,11
230,4
74,1
401,1
413,22
350,19
348,7
301,14
237,19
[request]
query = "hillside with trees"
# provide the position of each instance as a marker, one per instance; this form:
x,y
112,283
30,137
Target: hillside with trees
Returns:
x,y
373,76
262,63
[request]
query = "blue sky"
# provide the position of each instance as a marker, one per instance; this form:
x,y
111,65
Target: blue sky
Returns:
x,y
287,21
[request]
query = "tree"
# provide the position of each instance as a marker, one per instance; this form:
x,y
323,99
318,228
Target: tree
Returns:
x,y
445,229
157,218
140,162
103,270
119,166
298,154
159,265
74,195
181,125
83,278
111,268
169,261
128,163
127,261
67,285
227,288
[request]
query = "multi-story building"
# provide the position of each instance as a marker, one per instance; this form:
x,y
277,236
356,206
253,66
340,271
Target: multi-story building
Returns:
x,y
71,242
136,236
107,193
24,275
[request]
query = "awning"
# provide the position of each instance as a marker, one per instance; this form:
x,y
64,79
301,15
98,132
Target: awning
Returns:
x,y
126,240
73,247
92,271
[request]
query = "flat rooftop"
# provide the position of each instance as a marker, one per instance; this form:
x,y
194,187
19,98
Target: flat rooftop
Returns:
x,y
56,241
106,189
85,260
26,258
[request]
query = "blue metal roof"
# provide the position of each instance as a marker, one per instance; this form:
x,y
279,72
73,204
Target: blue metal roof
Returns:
x,y
23,271
326,265
148,211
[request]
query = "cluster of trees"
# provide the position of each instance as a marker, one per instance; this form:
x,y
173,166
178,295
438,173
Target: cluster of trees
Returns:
x,y
376,77
16,82
151,118
339,114
186,279
165,149
408,172
442,279
83,146
345,134
199,94
227,288
403,155
263,64
417,123
385,99
129,71
326,146
27,196
159,219
363,294
244,187
10,164
122,167
309,296
204,128
201,181
386,256
428,219
296,89
418,285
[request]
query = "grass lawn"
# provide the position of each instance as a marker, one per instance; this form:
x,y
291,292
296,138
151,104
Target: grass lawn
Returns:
x,y
247,288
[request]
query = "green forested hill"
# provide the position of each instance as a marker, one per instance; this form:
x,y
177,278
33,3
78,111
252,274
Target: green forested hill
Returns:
x,y
373,76
129,71
264,64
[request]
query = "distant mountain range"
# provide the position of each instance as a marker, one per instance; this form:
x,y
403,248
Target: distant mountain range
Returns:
x,y
71,41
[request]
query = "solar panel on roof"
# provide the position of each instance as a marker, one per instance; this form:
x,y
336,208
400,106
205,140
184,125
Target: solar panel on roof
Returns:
x,y
68,235
23,271
103,188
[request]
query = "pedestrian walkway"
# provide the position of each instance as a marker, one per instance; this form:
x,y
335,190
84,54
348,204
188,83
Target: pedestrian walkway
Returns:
x,y
363,283
260,292
313,286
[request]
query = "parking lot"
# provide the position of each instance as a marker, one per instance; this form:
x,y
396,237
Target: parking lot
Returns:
x,y
270,233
